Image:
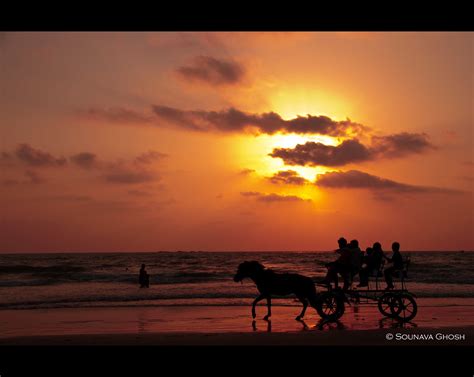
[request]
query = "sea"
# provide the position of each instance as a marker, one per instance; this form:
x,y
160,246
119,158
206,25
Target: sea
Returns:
x,y
71,280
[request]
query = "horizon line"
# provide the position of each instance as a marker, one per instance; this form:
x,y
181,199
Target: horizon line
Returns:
x,y
220,251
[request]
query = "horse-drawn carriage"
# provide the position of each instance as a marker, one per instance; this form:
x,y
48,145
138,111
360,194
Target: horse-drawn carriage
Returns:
x,y
397,303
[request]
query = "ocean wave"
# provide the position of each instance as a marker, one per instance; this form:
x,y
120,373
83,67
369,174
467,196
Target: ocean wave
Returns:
x,y
145,298
67,280
28,269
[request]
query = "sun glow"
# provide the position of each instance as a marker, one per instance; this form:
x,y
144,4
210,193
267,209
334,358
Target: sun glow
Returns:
x,y
254,153
294,102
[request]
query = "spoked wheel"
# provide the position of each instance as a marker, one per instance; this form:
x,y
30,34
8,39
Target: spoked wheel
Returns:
x,y
330,306
389,305
407,307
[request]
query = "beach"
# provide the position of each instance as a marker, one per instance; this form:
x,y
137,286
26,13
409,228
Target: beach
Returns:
x,y
94,299
446,321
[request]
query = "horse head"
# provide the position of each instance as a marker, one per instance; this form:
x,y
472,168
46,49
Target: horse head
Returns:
x,y
248,270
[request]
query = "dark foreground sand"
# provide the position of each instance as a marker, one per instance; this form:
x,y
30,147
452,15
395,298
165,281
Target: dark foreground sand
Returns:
x,y
446,321
308,338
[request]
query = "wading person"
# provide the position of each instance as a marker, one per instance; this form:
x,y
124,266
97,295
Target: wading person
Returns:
x,y
144,278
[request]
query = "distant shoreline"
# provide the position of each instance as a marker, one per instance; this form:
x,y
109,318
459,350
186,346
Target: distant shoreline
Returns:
x,y
211,252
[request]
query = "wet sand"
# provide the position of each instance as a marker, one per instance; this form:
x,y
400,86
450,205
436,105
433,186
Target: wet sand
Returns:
x,y
232,325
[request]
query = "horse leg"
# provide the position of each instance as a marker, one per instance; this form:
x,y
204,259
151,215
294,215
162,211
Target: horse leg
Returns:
x,y
269,305
259,298
305,305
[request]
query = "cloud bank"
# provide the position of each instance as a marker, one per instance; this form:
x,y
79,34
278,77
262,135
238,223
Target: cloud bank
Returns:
x,y
234,120
353,151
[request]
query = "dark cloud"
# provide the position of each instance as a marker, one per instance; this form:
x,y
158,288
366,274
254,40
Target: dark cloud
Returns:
x,y
116,115
400,145
149,157
352,151
355,179
233,120
85,160
213,71
229,120
36,157
133,171
271,198
312,153
289,177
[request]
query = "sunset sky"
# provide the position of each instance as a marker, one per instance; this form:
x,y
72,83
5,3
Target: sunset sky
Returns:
x,y
235,141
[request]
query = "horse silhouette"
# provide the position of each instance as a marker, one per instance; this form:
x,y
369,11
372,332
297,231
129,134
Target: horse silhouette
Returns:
x,y
270,283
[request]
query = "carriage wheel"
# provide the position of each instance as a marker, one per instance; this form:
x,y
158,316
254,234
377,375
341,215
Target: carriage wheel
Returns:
x,y
389,305
330,306
407,307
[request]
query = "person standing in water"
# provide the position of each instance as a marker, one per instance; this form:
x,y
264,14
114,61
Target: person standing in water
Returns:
x,y
144,278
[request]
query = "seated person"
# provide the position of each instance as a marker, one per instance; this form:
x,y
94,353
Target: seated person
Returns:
x,y
373,261
356,257
397,261
144,278
367,255
341,266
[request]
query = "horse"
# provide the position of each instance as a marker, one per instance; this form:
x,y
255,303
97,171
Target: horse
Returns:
x,y
270,283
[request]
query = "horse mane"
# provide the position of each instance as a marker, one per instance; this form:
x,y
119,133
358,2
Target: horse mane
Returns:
x,y
255,263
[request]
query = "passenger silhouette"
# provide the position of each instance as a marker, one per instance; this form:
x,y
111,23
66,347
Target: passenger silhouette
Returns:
x,y
397,261
368,253
373,261
356,257
342,266
144,278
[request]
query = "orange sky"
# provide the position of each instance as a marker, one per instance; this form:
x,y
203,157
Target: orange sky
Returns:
x,y
235,141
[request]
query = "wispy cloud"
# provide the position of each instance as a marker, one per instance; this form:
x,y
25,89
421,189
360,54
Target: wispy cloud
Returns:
x,y
36,157
272,198
118,115
289,177
355,179
212,71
